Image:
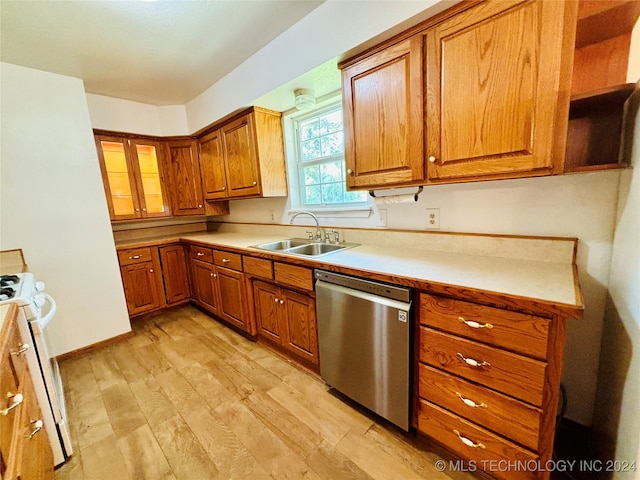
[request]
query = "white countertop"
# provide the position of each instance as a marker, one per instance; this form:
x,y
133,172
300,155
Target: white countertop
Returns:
x,y
533,279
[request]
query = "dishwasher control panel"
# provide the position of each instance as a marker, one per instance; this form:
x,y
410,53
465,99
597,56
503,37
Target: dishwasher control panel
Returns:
x,y
394,292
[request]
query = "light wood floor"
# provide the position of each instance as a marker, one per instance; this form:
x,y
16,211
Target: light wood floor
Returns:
x,y
187,398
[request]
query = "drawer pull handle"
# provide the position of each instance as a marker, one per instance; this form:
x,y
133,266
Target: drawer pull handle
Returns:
x,y
17,399
473,324
200,254
37,426
470,403
468,442
23,347
135,257
225,260
473,363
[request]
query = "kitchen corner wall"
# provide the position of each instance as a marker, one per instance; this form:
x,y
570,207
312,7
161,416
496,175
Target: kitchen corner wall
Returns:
x,y
53,205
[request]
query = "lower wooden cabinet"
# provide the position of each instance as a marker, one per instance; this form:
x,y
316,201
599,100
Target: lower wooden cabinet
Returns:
x,y
287,318
205,287
153,277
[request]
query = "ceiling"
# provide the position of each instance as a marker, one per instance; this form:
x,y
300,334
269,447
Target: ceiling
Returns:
x,y
155,52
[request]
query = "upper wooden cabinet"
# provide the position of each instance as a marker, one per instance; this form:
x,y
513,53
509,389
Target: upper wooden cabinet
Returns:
x,y
186,188
497,85
383,117
132,175
244,157
479,92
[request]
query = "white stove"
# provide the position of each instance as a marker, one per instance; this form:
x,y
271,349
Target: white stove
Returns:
x,y
36,309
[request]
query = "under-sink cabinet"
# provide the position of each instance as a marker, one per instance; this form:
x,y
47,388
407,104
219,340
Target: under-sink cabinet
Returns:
x,y
153,277
488,381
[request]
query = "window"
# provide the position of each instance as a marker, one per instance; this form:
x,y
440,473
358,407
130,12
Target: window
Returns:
x,y
319,160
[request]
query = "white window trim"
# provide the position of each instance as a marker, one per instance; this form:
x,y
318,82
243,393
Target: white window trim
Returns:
x,y
345,210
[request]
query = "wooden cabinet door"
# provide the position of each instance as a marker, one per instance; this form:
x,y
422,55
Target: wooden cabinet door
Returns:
x,y
174,273
212,168
233,298
186,187
118,177
34,457
141,287
267,298
147,164
205,286
383,117
497,86
301,329
243,172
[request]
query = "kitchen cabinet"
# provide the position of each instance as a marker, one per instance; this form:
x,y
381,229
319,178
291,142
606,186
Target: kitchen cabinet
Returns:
x,y
186,187
219,286
383,117
142,280
287,318
497,84
244,157
133,177
488,381
174,273
25,451
489,81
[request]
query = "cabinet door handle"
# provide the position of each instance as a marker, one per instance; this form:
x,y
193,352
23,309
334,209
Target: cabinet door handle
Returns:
x,y
144,209
472,362
470,403
23,347
200,206
214,275
37,426
281,302
16,399
255,183
349,171
151,270
137,209
135,257
225,260
468,442
224,188
474,324
432,159
200,254
276,299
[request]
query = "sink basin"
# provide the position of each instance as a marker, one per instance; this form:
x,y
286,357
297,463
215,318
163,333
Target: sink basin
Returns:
x,y
315,249
304,247
283,244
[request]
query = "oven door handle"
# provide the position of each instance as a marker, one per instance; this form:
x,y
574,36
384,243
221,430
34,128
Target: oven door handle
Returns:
x,y
44,321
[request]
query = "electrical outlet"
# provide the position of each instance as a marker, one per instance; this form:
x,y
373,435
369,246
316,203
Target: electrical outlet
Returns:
x,y
433,219
272,215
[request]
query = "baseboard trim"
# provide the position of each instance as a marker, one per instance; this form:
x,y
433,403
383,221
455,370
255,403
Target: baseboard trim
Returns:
x,y
94,346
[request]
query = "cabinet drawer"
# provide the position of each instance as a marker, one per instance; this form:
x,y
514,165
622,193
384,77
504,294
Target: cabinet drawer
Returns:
x,y
513,331
299,277
496,412
228,260
485,449
17,353
134,255
506,372
201,253
258,267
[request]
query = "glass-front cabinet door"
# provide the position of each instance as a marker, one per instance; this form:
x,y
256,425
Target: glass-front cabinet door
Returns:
x,y
132,178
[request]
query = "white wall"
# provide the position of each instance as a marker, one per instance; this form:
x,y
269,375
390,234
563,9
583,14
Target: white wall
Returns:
x,y
53,204
119,115
331,29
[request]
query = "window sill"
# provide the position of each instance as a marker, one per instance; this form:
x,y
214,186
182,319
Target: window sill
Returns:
x,y
335,212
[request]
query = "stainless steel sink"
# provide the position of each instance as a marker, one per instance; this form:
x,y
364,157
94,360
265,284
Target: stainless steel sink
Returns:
x,y
301,246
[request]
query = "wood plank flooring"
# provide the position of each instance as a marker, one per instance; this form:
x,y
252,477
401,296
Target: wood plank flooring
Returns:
x,y
187,398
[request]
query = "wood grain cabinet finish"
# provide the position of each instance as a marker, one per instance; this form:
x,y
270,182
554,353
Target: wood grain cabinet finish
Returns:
x,y
186,186
174,274
497,84
25,452
134,178
244,157
488,381
287,318
205,286
142,283
383,117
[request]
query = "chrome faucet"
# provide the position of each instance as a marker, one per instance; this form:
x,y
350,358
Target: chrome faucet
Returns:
x,y
318,233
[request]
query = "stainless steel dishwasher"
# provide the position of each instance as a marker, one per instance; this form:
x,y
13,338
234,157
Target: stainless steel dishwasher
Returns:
x,y
364,337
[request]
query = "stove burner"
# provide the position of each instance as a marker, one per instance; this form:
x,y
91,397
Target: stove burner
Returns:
x,y
7,280
7,293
